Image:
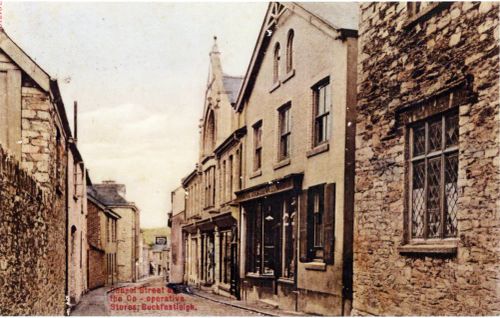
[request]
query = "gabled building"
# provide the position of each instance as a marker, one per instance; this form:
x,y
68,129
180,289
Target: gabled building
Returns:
x,y
102,229
112,195
35,142
298,102
211,218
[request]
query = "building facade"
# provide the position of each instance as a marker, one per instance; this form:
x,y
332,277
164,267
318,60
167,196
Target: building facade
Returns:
x,y
102,225
126,260
175,221
78,249
427,159
211,218
298,102
34,141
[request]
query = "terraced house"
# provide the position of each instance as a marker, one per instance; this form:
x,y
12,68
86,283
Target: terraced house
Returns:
x,y
298,101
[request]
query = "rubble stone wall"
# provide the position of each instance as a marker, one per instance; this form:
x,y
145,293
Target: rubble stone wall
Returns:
x,y
32,249
399,64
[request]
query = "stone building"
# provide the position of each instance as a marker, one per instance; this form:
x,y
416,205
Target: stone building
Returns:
x,y
209,229
127,229
298,100
427,160
159,255
34,136
77,252
175,221
102,225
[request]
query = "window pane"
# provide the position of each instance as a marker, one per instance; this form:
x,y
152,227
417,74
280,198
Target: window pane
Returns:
x,y
418,202
328,98
433,196
451,172
419,140
451,126
325,127
435,135
270,230
321,101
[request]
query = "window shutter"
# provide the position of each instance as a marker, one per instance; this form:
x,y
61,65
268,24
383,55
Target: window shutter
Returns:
x,y
303,242
329,222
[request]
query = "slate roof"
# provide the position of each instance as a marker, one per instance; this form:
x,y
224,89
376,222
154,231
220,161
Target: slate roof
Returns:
x,y
340,15
106,194
232,85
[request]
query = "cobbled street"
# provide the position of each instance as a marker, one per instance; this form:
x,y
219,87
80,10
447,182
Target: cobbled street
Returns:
x,y
130,301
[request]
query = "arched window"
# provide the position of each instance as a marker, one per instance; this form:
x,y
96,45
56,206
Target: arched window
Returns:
x,y
210,132
276,66
289,52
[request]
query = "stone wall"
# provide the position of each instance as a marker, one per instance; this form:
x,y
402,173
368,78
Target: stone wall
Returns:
x,y
32,249
97,268
401,63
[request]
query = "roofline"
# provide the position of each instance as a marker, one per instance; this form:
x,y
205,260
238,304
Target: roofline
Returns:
x,y
234,137
37,74
249,70
188,178
125,205
21,58
343,34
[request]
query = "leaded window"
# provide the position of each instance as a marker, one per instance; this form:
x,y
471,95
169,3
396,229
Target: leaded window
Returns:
x,y
433,181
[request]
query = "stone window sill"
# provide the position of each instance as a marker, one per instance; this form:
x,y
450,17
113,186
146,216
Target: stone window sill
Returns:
x,y
315,266
285,280
429,249
288,76
255,174
275,86
282,163
324,147
259,276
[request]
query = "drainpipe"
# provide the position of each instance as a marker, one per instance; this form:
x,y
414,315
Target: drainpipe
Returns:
x,y
66,287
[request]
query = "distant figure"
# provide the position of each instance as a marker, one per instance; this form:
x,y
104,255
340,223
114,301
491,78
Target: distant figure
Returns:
x,y
151,268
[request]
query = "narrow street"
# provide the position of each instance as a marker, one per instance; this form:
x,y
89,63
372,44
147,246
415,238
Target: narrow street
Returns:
x,y
149,298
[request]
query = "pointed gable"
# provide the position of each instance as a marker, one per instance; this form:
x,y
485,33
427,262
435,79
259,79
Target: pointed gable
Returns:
x,y
339,20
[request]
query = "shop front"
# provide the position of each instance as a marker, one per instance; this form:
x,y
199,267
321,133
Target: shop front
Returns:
x,y
270,222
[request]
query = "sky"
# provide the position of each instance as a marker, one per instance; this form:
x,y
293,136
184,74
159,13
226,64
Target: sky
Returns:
x,y
138,72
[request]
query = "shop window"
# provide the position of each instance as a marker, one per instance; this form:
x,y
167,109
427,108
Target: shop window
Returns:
x,y
289,230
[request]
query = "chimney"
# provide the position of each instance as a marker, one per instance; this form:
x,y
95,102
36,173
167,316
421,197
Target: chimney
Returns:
x,y
111,184
75,120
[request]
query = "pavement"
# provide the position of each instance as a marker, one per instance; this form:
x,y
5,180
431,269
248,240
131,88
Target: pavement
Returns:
x,y
150,297
258,307
94,302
